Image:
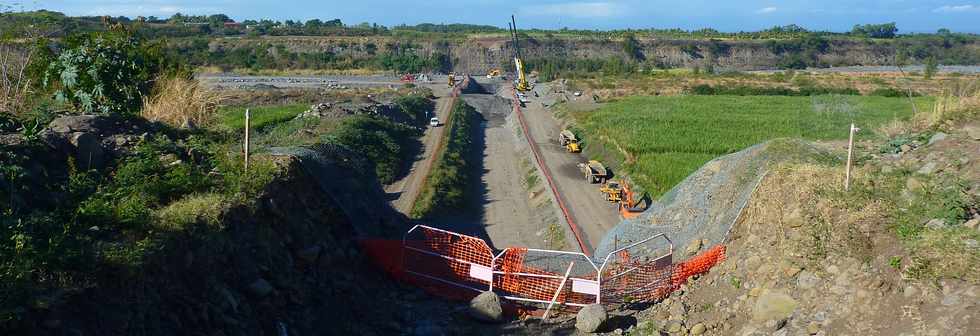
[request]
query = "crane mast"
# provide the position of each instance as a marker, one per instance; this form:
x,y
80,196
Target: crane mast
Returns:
x,y
522,84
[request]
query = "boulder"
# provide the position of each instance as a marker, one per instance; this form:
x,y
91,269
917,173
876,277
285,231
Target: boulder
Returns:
x,y
486,307
928,168
693,247
773,305
260,288
87,150
591,318
698,329
936,223
939,136
972,131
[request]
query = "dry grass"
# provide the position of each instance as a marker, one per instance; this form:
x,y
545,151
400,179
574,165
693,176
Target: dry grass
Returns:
x,y
958,101
204,209
14,83
181,102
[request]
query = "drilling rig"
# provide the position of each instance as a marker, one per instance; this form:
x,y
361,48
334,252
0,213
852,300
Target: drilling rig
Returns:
x,y
521,83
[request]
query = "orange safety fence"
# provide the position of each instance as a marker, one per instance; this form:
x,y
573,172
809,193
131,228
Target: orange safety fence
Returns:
x,y
517,279
459,267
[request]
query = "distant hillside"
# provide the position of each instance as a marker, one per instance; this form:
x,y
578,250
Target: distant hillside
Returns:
x,y
218,41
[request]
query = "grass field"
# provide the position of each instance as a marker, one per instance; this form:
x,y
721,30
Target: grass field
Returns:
x,y
234,117
669,137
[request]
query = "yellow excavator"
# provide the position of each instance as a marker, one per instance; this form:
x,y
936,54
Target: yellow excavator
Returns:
x,y
522,84
452,80
493,73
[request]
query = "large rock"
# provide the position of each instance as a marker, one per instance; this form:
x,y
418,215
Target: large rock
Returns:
x,y
590,318
260,288
773,305
87,149
486,307
939,136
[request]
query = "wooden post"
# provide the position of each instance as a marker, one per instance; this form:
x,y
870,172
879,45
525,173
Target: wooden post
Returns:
x,y
557,292
247,125
850,150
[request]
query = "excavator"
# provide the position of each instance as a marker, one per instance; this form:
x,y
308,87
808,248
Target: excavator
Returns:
x,y
452,80
629,207
493,73
522,84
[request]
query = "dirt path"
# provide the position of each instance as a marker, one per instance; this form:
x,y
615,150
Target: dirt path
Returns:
x,y
593,215
407,188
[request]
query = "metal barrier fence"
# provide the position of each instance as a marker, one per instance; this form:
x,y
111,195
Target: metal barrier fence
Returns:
x,y
446,263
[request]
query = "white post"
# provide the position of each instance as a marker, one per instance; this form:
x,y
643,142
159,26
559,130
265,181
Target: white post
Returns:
x,y
247,125
557,292
850,150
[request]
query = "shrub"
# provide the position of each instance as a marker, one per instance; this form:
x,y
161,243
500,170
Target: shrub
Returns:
x,y
105,73
892,92
446,185
205,209
382,141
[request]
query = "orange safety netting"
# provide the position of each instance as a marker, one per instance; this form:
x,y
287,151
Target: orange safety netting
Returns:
x,y
449,265
515,278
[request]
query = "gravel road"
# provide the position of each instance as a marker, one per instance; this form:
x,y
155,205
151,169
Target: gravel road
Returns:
x,y
593,214
408,187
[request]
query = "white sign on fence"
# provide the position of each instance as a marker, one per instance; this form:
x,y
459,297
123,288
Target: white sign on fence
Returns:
x,y
481,272
585,286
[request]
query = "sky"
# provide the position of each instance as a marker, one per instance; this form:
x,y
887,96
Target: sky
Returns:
x,y
724,15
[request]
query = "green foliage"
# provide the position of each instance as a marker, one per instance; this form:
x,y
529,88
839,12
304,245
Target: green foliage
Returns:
x,y
892,92
743,90
415,106
931,67
550,68
883,30
672,136
105,73
383,142
446,185
632,48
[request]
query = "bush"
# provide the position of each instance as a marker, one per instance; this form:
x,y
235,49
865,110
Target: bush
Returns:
x,y
180,215
447,183
380,140
892,92
105,73
742,90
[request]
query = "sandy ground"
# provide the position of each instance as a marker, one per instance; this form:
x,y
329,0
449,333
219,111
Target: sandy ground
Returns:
x,y
593,215
407,188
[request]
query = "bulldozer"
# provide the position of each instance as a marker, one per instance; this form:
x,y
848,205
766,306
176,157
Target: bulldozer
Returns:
x,y
612,191
568,140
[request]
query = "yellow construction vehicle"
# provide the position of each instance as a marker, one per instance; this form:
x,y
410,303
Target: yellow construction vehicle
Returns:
x,y
493,73
452,80
568,140
612,191
521,83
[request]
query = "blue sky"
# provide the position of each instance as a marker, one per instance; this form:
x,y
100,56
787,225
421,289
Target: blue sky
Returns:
x,y
836,15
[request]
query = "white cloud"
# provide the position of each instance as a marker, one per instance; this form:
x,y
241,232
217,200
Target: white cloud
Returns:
x,y
576,9
766,10
956,9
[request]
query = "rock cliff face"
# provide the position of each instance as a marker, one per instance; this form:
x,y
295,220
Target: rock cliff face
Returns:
x,y
476,55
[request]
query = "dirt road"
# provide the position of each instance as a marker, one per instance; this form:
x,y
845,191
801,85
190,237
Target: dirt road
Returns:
x,y
407,188
593,215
